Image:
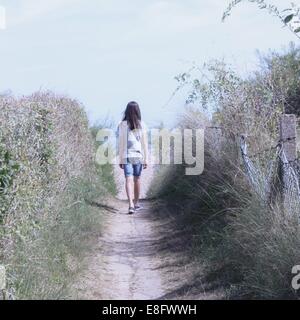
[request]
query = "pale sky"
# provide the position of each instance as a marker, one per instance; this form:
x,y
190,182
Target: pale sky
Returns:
x,y
108,52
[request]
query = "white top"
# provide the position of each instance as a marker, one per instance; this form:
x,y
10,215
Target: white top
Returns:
x,y
132,143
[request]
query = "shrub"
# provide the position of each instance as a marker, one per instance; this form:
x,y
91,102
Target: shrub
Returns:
x,y
8,169
253,245
48,172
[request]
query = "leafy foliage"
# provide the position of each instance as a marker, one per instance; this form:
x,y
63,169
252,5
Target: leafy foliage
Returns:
x,y
290,17
8,170
283,70
47,178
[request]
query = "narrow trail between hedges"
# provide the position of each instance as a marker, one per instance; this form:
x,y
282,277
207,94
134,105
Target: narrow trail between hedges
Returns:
x,y
141,256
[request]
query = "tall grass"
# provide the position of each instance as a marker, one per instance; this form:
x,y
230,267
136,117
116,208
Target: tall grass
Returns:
x,y
250,247
262,245
105,171
48,177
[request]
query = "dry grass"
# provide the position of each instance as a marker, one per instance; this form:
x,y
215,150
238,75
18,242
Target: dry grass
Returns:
x,y
251,247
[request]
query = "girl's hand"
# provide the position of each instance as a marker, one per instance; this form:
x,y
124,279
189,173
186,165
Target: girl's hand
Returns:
x,y
121,166
145,165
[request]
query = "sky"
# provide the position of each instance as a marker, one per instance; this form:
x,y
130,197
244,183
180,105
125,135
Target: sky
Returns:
x,y
108,52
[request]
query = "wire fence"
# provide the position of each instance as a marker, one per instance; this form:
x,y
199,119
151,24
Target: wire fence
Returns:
x,y
281,167
283,163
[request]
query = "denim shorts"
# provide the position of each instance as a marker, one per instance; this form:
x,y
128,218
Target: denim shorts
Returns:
x,y
133,169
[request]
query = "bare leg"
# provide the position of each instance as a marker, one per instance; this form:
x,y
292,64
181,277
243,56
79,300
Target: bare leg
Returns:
x,y
137,188
128,187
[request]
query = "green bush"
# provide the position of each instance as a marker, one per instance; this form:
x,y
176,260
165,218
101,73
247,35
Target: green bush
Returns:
x,y
8,169
48,177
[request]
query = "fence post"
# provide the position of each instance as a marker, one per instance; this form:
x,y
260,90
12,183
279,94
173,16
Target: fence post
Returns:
x,y
288,139
288,135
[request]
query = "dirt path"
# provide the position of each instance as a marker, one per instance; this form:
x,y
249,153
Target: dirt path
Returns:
x,y
141,256
124,263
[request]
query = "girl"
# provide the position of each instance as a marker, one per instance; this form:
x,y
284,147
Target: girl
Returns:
x,y
133,152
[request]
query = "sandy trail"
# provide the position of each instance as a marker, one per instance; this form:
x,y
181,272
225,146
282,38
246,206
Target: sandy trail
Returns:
x,y
123,265
141,256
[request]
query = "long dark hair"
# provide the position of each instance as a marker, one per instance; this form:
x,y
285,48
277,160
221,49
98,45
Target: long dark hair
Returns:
x,y
132,115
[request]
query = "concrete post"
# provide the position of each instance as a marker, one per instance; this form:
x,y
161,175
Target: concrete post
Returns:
x,y
288,137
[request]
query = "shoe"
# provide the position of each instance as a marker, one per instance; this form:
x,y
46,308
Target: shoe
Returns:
x,y
131,210
137,206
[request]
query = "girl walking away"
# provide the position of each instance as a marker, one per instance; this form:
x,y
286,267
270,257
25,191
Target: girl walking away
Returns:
x,y
133,152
